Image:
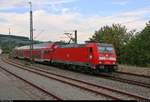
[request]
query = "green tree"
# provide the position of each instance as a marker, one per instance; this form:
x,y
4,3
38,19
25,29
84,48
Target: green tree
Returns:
x,y
138,50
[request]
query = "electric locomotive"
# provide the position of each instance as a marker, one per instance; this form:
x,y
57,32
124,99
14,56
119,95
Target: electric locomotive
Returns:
x,y
95,57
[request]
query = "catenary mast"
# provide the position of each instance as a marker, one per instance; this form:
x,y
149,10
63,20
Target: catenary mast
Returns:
x,y
31,31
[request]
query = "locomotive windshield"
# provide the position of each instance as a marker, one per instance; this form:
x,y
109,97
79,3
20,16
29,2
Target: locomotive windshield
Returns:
x,y
106,49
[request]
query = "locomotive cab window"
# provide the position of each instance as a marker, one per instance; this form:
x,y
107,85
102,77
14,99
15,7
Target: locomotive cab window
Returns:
x,y
105,49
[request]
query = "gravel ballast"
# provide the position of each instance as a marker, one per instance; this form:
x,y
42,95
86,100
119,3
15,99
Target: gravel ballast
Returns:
x,y
100,81
62,90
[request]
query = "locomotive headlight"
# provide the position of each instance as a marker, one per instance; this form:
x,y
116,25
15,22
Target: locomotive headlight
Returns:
x,y
102,58
112,58
90,56
114,63
100,62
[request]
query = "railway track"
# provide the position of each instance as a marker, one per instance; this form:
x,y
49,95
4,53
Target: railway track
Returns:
x,y
130,79
33,85
139,80
109,92
133,74
118,77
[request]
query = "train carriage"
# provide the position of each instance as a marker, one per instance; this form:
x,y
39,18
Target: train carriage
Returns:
x,y
41,52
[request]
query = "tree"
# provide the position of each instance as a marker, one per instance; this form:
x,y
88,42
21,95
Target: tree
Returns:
x,y
116,35
138,50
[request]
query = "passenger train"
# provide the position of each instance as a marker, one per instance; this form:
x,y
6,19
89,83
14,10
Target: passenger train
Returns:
x,y
92,57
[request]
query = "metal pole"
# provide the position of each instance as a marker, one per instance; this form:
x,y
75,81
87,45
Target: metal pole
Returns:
x,y
76,37
31,32
9,45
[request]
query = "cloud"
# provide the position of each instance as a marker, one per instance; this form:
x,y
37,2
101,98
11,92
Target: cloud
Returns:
x,y
61,1
8,4
53,25
12,3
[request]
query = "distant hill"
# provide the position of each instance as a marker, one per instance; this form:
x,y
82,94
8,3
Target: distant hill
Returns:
x,y
8,42
13,37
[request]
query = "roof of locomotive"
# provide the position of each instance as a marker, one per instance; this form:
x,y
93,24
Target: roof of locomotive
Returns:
x,y
82,45
36,46
71,45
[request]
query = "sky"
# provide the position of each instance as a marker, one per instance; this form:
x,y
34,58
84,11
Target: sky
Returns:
x,y
53,18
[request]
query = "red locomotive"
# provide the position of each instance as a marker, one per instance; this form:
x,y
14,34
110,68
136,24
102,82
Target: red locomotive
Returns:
x,y
92,57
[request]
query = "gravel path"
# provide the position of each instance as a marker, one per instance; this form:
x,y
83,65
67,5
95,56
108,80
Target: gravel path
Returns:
x,y
135,70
